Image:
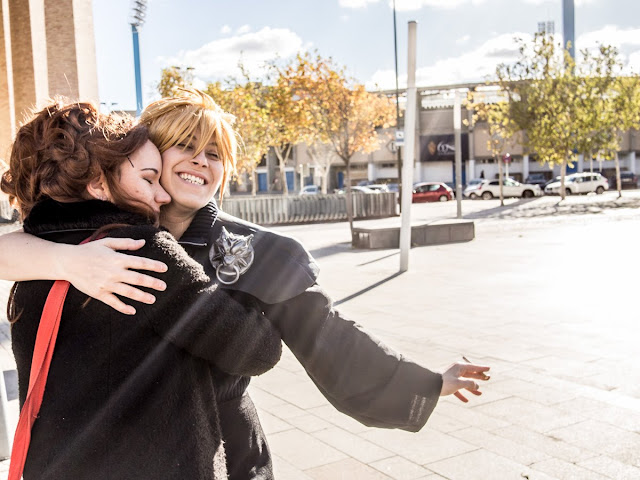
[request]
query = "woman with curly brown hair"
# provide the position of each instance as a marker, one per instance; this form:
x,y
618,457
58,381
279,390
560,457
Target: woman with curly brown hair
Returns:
x,y
125,397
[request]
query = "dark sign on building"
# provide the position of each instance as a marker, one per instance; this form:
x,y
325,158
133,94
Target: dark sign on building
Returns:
x,y
435,148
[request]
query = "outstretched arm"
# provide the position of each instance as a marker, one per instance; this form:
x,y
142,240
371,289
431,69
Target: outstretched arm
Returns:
x,y
95,268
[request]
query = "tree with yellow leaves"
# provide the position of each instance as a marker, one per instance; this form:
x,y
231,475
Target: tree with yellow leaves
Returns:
x,y
338,111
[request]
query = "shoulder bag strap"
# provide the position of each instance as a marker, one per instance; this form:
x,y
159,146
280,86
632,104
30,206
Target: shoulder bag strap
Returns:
x,y
42,354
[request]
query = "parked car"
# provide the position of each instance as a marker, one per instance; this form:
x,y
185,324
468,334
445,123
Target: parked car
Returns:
x,y
357,189
380,187
310,190
539,179
510,188
627,180
393,187
431,192
577,183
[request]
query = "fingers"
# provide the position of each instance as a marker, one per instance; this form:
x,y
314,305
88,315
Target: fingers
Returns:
x,y
142,280
461,397
127,291
131,261
117,304
121,243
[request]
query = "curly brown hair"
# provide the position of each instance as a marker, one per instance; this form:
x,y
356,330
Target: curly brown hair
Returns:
x,y
65,146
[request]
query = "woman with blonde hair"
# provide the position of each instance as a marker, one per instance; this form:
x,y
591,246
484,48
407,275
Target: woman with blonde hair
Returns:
x,y
358,374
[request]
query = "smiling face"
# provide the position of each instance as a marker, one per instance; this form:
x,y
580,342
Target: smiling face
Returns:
x,y
191,179
139,178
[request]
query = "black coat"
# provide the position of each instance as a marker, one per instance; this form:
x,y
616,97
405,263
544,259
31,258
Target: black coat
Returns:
x,y
133,397
357,373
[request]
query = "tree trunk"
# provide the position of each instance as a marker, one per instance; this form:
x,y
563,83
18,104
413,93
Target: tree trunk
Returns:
x,y
282,161
500,181
563,174
254,182
325,180
618,182
349,199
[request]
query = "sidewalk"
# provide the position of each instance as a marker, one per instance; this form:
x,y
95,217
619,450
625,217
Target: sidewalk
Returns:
x,y
542,295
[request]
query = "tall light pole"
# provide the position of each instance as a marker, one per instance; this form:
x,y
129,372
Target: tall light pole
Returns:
x,y
395,49
138,16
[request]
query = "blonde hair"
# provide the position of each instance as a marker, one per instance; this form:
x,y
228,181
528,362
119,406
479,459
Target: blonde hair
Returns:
x,y
191,112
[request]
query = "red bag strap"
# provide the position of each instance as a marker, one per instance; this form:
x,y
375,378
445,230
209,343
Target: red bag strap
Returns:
x,y
42,354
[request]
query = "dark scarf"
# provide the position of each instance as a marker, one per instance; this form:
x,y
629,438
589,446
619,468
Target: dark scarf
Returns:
x,y
50,216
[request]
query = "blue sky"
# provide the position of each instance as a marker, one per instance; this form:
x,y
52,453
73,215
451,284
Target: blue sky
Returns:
x,y
458,40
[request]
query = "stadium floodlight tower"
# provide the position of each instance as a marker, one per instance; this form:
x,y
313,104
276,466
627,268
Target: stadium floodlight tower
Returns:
x,y
138,15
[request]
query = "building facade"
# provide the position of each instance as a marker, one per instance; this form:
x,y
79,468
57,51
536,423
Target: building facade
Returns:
x,y
435,153
47,48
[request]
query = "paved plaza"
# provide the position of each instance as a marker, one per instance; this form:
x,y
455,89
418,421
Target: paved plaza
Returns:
x,y
546,294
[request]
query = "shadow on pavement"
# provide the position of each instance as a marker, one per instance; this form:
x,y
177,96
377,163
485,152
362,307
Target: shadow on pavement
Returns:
x,y
330,250
537,209
367,289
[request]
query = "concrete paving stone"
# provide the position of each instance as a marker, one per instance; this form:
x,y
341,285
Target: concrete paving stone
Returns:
x,y
262,397
533,392
551,446
272,424
471,416
302,450
299,391
504,447
400,468
423,447
563,366
483,465
353,445
612,468
567,471
285,411
600,438
309,423
333,416
347,469
283,470
596,410
534,416
442,423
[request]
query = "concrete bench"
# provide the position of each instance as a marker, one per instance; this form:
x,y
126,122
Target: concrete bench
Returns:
x,y
433,233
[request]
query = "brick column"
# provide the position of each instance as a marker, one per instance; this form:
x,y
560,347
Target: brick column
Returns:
x,y
7,111
71,52
28,53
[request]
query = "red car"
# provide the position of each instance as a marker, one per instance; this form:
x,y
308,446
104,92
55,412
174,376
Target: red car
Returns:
x,y
431,192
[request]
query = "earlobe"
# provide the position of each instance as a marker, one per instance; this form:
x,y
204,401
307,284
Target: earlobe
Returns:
x,y
98,189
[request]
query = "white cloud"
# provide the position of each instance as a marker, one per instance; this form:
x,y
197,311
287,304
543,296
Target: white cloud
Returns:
x,y
578,3
355,3
219,59
476,65
609,35
243,29
225,30
412,5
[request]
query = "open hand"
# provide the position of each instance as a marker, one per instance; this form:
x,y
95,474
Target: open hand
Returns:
x,y
463,376
98,270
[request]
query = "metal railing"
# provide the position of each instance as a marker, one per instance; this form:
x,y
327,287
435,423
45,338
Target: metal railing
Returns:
x,y
283,209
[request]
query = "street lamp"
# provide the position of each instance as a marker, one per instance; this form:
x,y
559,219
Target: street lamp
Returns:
x,y
137,20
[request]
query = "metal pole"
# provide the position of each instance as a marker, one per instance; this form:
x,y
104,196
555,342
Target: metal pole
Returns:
x,y
398,151
410,148
136,64
457,125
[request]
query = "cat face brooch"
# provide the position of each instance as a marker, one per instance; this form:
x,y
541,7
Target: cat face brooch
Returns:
x,y
231,256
